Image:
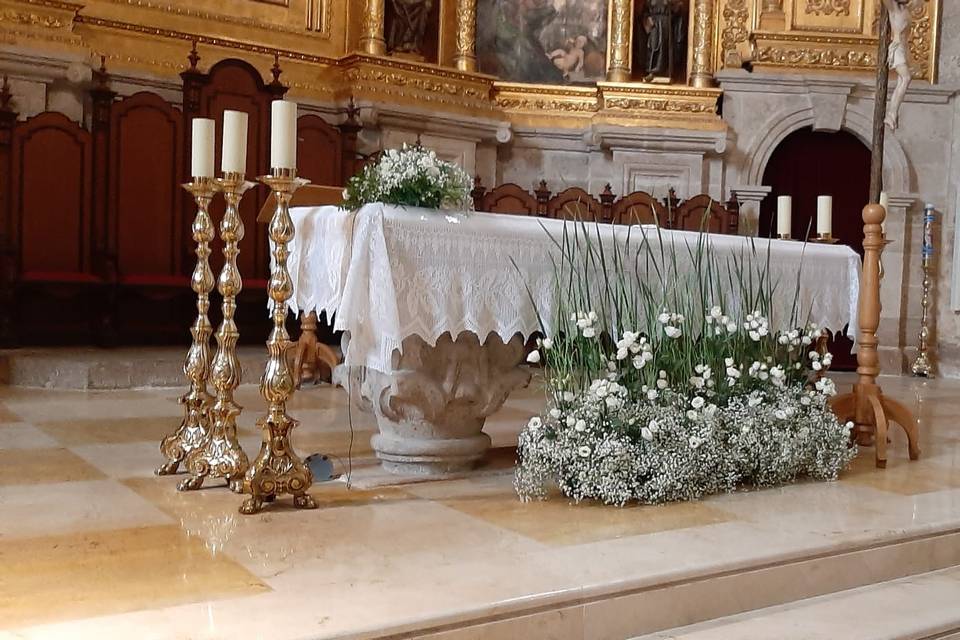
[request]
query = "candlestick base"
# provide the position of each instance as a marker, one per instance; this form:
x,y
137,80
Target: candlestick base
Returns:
x,y
784,236
922,367
824,238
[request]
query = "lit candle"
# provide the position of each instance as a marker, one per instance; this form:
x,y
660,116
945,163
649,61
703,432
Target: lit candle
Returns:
x,y
201,161
885,203
234,157
784,213
824,215
283,135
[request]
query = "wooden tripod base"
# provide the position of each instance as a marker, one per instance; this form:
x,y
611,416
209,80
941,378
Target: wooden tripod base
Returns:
x,y
866,405
872,412
310,353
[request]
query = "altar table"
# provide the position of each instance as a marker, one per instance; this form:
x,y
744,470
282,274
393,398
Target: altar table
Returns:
x,y
436,309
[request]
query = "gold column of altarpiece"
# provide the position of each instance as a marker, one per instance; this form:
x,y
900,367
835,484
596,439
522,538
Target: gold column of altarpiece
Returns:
x,y
466,56
371,38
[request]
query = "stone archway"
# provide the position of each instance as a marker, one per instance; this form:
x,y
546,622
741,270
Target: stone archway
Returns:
x,y
896,177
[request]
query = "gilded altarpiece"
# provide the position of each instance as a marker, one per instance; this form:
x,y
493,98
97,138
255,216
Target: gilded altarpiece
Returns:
x,y
335,50
819,34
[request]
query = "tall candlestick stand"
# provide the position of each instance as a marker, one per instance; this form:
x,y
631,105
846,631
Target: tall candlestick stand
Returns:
x,y
195,427
866,405
221,456
922,366
278,469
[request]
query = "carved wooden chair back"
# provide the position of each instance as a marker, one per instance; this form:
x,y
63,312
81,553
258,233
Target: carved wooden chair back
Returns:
x,y
703,212
639,207
574,203
507,198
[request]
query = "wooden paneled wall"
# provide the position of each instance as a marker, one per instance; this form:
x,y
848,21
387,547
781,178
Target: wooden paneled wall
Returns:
x,y
95,238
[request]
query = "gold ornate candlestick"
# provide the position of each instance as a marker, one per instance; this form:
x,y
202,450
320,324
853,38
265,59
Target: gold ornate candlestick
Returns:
x,y
195,427
922,366
221,456
278,469
824,238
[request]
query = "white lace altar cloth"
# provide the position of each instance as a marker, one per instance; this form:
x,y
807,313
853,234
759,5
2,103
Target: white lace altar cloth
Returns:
x,y
389,272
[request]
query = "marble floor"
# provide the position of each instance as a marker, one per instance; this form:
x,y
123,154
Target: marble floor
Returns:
x,y
92,545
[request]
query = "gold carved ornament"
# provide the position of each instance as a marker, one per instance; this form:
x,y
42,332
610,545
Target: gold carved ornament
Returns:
x,y
828,7
812,57
735,16
653,104
31,19
920,41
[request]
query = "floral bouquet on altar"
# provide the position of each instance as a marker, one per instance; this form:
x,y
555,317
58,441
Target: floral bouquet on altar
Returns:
x,y
413,177
662,386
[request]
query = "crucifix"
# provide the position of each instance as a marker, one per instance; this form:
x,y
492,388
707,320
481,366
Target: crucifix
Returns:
x,y
870,410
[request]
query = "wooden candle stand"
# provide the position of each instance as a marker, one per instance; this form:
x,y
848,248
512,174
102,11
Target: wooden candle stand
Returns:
x,y
870,410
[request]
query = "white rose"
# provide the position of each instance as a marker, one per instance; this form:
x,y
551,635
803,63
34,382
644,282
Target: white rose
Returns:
x,y
646,434
546,343
533,357
584,451
581,426
534,423
672,332
589,332
697,403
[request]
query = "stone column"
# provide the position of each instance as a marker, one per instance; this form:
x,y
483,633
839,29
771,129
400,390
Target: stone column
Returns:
x,y
466,56
621,26
750,197
772,17
701,75
371,37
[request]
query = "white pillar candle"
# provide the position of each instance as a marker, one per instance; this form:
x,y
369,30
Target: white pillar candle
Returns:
x,y
885,203
784,214
234,156
283,135
201,161
825,215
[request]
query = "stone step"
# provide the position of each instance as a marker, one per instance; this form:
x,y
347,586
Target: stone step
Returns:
x,y
918,607
122,368
657,607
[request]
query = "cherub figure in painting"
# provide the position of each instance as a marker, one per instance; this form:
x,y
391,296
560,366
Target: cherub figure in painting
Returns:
x,y
570,60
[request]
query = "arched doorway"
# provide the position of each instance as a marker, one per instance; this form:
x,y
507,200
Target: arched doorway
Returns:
x,y
807,164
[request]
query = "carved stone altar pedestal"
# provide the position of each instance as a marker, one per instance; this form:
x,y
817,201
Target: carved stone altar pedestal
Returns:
x,y
432,407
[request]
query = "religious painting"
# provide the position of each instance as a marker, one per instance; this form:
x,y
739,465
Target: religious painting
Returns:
x,y
543,41
660,40
411,28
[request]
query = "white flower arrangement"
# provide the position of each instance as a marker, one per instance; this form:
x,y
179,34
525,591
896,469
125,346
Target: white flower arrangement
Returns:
x,y
656,393
413,177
